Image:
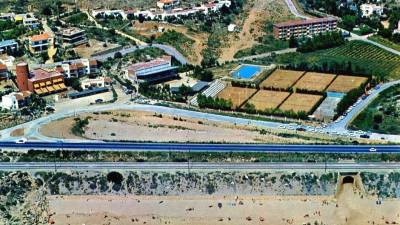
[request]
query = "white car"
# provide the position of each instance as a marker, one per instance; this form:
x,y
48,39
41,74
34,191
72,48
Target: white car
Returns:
x,y
21,141
372,149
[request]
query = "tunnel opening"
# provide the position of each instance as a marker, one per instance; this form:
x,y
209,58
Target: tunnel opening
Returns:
x,y
348,180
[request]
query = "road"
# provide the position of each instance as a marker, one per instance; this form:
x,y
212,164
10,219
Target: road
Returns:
x,y
164,166
140,45
185,147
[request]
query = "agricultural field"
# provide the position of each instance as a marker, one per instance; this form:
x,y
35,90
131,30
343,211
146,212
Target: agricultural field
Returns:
x,y
312,81
367,56
344,84
354,57
236,94
265,99
281,79
300,102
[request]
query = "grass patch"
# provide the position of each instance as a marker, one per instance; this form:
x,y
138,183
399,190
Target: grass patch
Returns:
x,y
178,40
385,42
382,115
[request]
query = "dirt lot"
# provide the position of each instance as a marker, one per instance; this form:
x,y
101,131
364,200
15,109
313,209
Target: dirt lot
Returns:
x,y
349,208
315,81
264,99
95,46
145,126
300,102
236,94
345,84
281,79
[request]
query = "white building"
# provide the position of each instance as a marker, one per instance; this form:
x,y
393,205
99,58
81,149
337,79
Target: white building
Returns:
x,y
167,4
105,12
371,9
9,102
96,83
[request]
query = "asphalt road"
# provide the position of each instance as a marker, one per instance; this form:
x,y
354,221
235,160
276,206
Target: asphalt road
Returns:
x,y
168,147
348,167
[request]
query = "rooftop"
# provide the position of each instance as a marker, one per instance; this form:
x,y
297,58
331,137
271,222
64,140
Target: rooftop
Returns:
x,y
40,37
71,31
150,64
305,22
41,74
7,43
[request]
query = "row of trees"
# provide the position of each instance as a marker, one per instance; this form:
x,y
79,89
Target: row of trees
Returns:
x,y
321,41
213,103
349,99
250,108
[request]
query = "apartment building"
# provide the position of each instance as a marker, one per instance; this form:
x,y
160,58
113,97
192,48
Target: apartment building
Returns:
x,y
78,68
73,37
304,28
40,43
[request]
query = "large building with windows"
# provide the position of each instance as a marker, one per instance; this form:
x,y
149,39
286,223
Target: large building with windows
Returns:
x,y
39,81
304,28
154,71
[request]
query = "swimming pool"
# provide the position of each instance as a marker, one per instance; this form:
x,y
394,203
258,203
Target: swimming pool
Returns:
x,y
246,71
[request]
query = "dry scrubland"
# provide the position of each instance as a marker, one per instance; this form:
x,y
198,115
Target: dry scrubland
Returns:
x,y
257,13
236,94
281,79
315,81
265,99
345,84
300,102
146,126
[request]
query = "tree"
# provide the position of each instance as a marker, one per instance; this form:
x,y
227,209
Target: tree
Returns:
x,y
348,22
292,42
141,18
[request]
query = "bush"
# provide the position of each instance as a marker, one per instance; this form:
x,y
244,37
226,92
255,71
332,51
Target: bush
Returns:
x,y
115,177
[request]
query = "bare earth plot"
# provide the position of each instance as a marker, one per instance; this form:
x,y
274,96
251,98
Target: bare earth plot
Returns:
x,y
257,13
312,81
349,208
345,84
281,79
236,94
146,126
265,99
300,102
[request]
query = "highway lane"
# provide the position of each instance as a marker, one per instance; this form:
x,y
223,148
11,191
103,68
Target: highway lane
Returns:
x,y
195,166
171,147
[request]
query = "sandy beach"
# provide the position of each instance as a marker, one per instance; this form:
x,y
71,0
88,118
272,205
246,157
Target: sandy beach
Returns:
x,y
349,207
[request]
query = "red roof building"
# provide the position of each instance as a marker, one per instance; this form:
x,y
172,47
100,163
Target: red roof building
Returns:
x,y
300,28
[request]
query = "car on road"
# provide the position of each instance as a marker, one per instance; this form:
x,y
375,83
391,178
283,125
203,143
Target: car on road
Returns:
x,y
99,100
21,141
372,149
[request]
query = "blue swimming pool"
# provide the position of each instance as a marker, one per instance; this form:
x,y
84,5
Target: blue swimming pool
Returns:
x,y
246,71
335,94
